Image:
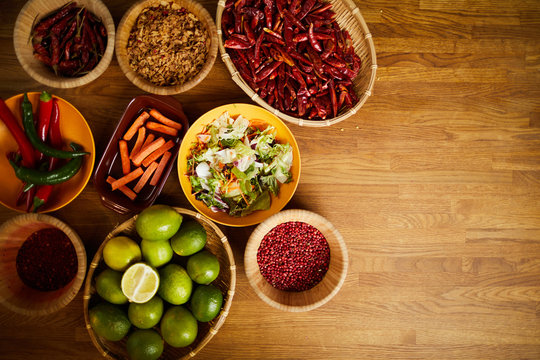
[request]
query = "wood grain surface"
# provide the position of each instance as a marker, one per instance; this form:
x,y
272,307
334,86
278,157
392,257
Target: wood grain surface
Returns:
x,y
434,185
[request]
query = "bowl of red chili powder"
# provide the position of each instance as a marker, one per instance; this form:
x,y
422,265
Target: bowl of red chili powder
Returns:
x,y
296,260
42,264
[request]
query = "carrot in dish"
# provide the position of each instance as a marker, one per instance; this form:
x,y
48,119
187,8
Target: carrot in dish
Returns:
x,y
127,178
139,121
124,156
161,128
161,167
165,120
141,136
147,150
147,141
157,153
127,191
144,178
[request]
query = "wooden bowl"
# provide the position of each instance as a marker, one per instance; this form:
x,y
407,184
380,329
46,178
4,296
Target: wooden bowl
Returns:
x,y
73,127
14,294
304,300
283,135
38,71
216,243
122,36
349,18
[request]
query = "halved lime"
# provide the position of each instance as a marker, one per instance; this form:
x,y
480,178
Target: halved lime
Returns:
x,y
140,283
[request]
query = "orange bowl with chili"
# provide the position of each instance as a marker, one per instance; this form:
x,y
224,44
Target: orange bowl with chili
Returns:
x,y
73,128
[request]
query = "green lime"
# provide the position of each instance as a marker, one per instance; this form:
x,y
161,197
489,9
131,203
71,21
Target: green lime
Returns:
x,y
109,321
140,283
156,253
178,327
203,267
146,315
158,223
108,286
190,239
120,252
144,345
175,284
206,302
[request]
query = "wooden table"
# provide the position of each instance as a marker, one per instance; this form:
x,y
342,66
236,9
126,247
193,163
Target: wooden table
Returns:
x,y
434,184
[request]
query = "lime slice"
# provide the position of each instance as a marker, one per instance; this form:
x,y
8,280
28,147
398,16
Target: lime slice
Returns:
x,y
140,283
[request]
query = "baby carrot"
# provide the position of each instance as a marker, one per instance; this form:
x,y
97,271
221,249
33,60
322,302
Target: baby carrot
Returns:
x,y
157,153
151,125
127,178
161,166
139,121
139,142
124,156
165,120
127,191
147,150
144,178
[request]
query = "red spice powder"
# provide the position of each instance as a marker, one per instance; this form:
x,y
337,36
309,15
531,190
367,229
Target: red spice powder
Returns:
x,y
293,256
47,260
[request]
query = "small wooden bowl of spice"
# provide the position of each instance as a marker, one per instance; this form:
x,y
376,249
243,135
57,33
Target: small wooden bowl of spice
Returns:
x,y
296,260
42,264
62,43
166,47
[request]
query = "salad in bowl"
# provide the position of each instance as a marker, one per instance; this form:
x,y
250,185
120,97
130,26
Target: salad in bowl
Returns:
x,y
239,167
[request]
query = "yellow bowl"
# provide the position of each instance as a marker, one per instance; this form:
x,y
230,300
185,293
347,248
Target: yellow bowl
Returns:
x,y
74,128
283,135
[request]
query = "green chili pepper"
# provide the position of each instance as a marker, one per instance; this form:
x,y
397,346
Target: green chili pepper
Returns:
x,y
31,133
53,177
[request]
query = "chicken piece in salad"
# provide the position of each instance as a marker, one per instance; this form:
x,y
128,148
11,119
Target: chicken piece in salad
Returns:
x,y
236,166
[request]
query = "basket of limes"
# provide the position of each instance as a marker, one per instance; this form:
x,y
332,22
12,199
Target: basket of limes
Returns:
x,y
159,286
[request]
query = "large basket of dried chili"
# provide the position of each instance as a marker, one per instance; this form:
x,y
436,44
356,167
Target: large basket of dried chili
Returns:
x,y
311,62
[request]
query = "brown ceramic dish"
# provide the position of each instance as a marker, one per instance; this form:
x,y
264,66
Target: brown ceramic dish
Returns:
x,y
110,163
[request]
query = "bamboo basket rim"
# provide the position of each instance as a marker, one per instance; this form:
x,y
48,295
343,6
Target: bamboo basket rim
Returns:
x,y
366,93
339,267
38,71
41,221
123,32
228,297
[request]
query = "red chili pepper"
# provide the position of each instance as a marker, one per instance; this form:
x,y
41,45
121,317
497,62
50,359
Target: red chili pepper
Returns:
x,y
44,118
55,136
305,9
235,43
41,196
55,50
25,147
333,98
314,43
43,25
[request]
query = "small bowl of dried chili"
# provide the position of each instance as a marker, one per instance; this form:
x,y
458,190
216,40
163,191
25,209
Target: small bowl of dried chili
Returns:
x,y
42,264
296,260
166,48
62,43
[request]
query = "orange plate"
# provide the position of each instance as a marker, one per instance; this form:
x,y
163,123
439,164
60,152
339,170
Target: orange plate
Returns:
x,y
74,129
283,135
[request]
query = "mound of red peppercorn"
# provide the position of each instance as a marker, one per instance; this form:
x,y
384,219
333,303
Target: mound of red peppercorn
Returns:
x,y
47,260
71,40
293,256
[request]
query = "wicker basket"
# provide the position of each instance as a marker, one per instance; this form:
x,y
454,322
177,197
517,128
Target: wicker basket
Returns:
x,y
216,242
349,18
